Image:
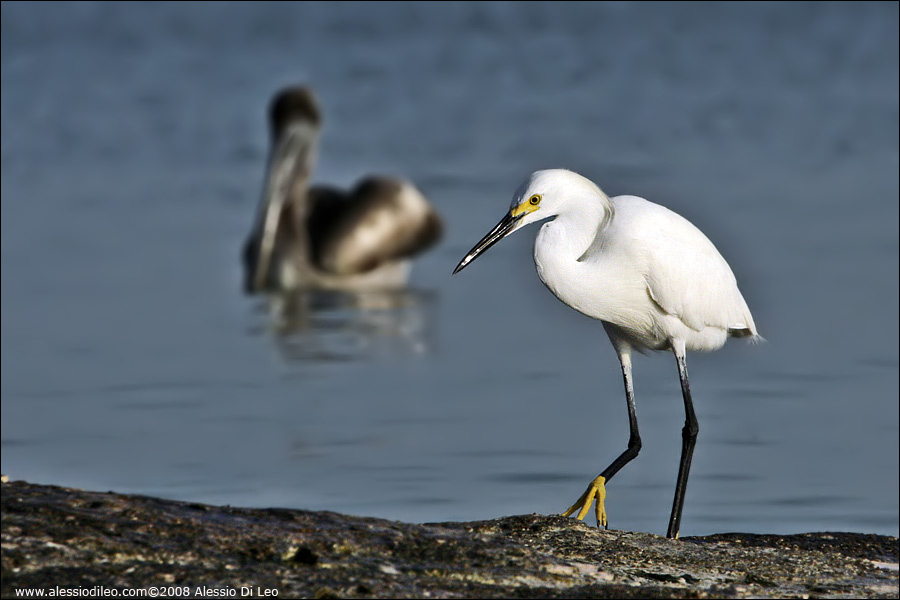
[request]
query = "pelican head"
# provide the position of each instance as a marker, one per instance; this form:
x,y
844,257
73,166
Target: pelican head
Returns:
x,y
294,120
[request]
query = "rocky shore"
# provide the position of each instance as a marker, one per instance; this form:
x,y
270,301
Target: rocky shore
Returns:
x,y
58,539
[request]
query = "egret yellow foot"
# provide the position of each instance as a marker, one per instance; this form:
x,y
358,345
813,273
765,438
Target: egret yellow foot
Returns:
x,y
595,491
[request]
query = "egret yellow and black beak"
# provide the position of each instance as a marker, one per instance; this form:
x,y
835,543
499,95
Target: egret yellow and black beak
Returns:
x,y
506,226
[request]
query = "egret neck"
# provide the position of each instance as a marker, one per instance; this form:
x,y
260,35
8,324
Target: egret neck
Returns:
x,y
562,243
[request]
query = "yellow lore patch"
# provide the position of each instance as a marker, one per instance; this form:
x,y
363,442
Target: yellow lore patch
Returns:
x,y
528,206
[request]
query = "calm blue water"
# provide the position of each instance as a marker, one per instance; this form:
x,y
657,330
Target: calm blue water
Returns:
x,y
133,144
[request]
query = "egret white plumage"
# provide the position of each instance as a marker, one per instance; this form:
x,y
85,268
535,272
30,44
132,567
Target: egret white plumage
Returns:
x,y
653,279
321,237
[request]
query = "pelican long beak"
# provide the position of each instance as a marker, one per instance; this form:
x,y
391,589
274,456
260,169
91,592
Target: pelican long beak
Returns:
x,y
290,165
507,225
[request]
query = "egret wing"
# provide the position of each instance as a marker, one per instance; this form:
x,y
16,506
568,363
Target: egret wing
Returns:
x,y
691,280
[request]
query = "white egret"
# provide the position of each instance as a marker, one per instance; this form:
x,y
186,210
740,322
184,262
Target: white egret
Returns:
x,y
651,277
321,237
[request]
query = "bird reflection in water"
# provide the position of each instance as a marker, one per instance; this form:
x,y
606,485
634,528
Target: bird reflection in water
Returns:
x,y
335,326
335,263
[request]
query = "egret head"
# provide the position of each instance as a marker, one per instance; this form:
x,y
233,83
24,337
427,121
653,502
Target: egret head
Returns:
x,y
543,195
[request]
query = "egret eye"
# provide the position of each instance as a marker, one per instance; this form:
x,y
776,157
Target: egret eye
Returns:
x,y
535,200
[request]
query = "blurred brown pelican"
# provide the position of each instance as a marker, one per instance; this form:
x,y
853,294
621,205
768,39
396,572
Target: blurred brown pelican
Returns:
x,y
322,237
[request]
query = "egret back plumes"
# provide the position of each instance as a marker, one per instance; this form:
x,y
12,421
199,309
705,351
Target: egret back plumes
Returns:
x,y
653,279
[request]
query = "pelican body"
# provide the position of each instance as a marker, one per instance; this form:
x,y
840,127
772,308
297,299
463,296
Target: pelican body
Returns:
x,y
323,237
653,279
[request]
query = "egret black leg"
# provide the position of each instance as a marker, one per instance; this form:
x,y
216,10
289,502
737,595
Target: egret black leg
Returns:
x,y
688,441
597,488
634,439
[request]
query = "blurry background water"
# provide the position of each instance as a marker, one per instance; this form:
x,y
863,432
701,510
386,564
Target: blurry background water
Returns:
x,y
133,146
